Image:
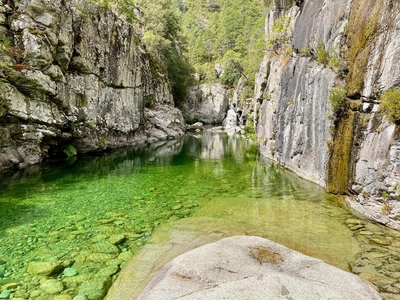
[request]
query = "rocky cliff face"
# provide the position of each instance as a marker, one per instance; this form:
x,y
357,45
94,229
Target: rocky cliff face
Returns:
x,y
74,74
314,47
207,102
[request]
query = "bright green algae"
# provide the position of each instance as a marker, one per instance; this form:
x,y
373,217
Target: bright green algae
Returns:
x,y
200,188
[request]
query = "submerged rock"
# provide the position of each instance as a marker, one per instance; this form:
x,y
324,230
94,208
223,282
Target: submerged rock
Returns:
x,y
44,268
52,286
246,267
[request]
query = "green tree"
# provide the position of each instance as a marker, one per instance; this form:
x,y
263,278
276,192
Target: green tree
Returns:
x,y
214,27
166,44
233,68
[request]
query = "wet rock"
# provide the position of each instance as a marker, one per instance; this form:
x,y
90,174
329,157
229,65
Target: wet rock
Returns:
x,y
21,293
125,256
245,267
117,239
75,280
35,294
62,297
95,289
44,268
69,272
80,297
5,294
356,227
106,247
177,207
374,228
393,268
11,286
100,257
52,286
381,241
354,222
107,272
364,232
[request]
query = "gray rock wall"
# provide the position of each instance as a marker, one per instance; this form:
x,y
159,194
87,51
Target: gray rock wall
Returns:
x,y
208,102
357,153
292,110
78,75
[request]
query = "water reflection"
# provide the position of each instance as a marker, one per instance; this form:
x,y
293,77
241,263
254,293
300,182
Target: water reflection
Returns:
x,y
179,194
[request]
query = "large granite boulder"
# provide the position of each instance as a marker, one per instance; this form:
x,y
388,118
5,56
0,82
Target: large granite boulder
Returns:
x,y
247,267
208,102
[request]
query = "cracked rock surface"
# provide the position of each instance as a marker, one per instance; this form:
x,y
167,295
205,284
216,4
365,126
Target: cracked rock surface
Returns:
x,y
246,267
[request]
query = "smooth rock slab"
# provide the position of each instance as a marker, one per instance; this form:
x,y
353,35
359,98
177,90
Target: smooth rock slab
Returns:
x,y
246,267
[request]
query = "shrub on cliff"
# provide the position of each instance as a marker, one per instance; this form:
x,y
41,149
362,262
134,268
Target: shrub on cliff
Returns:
x,y
391,104
337,97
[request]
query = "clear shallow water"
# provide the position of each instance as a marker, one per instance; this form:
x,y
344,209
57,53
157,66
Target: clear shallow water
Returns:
x,y
88,218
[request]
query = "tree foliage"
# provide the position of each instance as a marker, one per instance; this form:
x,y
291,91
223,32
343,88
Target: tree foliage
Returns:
x,y
215,28
160,22
229,32
166,44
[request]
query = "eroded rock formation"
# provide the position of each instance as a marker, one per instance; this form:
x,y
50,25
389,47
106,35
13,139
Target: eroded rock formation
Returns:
x,y
76,75
314,48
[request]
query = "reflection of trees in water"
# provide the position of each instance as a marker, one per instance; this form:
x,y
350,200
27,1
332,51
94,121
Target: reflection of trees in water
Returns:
x,y
207,146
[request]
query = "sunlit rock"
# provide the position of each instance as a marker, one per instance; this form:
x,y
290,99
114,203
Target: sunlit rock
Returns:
x,y
247,267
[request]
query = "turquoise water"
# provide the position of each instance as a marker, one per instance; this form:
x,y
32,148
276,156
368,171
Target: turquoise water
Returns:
x,y
90,216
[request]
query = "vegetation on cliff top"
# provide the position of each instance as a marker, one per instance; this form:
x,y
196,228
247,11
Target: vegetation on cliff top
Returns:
x,y
391,104
228,32
165,42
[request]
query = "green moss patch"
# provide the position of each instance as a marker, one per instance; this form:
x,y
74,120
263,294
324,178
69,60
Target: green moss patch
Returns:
x,y
361,30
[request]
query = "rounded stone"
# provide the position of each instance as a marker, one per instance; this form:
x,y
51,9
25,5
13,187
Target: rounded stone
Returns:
x,y
69,272
5,294
52,286
44,268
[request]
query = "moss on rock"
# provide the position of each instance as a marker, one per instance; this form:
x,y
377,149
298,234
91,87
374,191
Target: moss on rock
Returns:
x,y
362,27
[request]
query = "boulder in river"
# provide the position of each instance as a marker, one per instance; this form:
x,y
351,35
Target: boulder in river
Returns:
x,y
247,267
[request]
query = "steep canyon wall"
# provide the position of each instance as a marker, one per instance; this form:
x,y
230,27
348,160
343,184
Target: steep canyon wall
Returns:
x,y
314,47
74,73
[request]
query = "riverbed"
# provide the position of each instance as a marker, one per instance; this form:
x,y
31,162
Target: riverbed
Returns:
x,y
68,228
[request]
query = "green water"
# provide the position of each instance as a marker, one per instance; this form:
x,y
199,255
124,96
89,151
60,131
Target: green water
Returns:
x,y
93,215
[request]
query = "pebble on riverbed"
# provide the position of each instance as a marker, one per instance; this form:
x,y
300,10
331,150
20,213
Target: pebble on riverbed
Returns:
x,y
379,265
